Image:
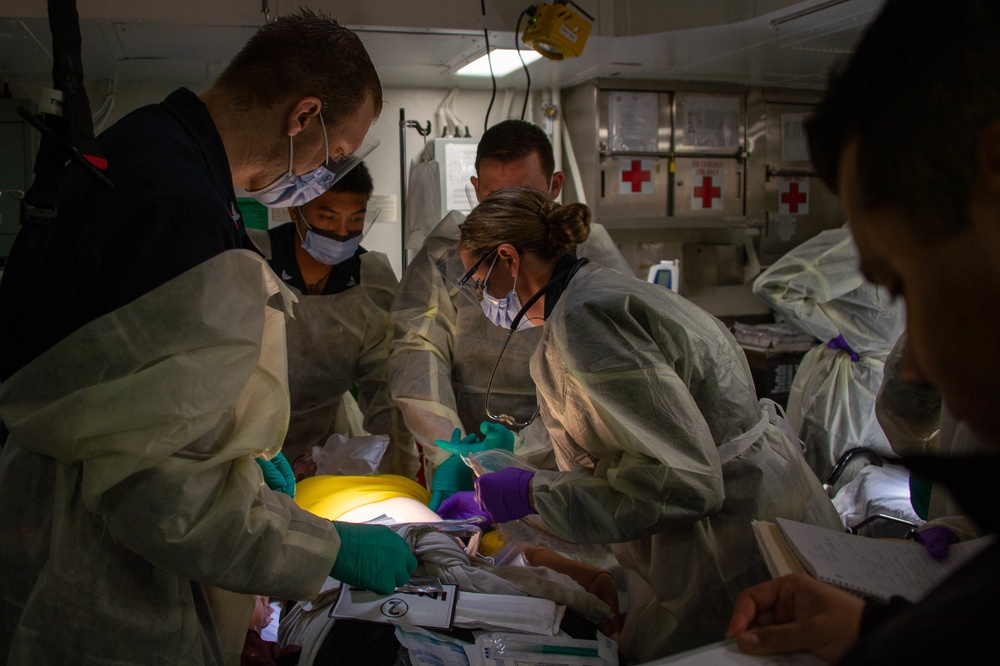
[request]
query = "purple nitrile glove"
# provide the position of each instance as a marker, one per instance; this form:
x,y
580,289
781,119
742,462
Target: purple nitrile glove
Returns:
x,y
505,493
462,506
840,343
936,540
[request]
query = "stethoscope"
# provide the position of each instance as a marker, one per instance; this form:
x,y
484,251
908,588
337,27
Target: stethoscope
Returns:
x,y
506,419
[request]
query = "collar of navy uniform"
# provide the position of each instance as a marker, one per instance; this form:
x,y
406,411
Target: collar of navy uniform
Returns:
x,y
193,116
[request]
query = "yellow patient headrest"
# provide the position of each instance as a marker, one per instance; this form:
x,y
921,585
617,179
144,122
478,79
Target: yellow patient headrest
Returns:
x,y
332,496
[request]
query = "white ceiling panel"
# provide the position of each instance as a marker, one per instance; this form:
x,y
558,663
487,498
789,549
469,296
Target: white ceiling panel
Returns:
x,y
407,50
793,44
181,42
23,54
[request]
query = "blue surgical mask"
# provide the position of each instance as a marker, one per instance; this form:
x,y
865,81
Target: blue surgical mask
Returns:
x,y
292,190
326,250
501,311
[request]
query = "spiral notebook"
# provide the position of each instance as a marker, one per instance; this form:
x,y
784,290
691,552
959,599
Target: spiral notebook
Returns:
x,y
874,568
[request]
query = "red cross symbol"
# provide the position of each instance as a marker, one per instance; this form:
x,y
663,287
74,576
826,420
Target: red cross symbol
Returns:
x,y
793,198
637,176
707,192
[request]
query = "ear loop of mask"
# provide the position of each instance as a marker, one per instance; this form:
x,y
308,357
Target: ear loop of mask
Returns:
x,y
309,227
326,139
486,279
302,216
291,148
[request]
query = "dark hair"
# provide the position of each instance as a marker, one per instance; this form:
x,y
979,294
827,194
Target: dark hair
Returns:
x,y
356,181
527,219
920,89
301,55
511,140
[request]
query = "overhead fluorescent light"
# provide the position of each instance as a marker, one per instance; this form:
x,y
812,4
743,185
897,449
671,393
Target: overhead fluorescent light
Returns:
x,y
504,62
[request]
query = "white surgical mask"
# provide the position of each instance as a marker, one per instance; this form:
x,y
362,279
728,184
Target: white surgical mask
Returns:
x,y
501,311
292,190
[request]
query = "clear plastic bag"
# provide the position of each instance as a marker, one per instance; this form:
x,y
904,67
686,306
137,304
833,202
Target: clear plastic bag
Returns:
x,y
350,456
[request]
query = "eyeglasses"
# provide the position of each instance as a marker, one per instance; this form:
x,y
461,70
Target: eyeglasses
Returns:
x,y
473,289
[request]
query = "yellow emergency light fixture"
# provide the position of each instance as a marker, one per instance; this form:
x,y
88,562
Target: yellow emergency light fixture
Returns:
x,y
558,31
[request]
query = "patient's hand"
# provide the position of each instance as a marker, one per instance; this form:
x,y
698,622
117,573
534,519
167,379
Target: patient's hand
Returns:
x,y
604,588
595,580
262,612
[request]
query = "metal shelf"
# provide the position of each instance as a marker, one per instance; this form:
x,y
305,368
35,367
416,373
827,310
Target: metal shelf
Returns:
x,y
684,222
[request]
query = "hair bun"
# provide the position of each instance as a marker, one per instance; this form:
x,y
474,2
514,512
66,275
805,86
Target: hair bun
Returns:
x,y
568,225
527,218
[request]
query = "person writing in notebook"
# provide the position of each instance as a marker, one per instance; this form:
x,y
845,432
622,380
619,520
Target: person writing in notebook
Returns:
x,y
922,89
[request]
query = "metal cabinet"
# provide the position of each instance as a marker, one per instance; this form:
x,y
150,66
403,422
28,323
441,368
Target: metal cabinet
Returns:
x,y
633,140
715,174
797,204
707,186
663,157
710,137
632,186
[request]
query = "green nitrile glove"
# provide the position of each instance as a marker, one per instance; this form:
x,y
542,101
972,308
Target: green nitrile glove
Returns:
x,y
278,474
372,557
284,467
496,436
453,474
